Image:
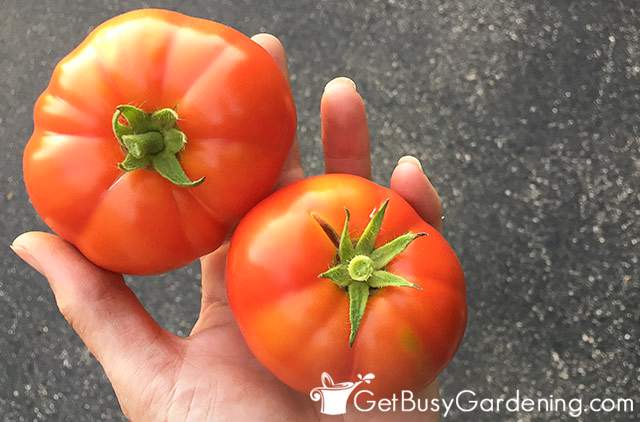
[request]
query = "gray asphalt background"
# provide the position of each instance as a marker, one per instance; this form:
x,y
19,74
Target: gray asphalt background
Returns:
x,y
525,115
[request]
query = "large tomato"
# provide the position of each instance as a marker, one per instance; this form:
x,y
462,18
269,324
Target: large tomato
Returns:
x,y
154,136
385,296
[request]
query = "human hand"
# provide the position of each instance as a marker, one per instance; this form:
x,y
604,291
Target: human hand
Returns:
x,y
211,374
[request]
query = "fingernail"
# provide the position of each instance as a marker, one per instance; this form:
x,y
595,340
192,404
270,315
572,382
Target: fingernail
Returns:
x,y
411,160
341,81
23,253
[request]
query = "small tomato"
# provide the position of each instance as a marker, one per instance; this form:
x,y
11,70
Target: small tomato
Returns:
x,y
337,274
154,137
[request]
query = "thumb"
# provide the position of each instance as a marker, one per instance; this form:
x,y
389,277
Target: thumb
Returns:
x,y
99,306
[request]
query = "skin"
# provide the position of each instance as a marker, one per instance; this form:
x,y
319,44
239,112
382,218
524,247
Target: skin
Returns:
x,y
211,375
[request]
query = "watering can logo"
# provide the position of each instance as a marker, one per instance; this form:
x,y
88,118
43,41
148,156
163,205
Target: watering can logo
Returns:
x,y
333,397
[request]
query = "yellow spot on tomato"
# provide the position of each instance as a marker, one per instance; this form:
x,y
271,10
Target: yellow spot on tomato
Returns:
x,y
408,340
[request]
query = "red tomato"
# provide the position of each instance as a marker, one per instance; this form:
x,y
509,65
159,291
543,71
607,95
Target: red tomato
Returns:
x,y
154,136
392,286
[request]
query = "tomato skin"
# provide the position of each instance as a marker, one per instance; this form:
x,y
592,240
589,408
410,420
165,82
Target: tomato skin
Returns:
x,y
297,324
234,106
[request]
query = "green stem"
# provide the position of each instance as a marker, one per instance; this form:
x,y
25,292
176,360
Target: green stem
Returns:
x,y
143,144
361,268
152,140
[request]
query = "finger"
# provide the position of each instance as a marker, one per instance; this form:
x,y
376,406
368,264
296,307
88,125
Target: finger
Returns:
x,y
345,135
214,294
274,47
212,265
414,186
292,169
97,304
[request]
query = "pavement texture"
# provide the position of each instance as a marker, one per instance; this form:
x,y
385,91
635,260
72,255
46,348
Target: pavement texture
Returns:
x,y
526,116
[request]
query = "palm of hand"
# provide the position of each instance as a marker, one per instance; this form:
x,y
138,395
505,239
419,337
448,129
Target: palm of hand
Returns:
x,y
210,375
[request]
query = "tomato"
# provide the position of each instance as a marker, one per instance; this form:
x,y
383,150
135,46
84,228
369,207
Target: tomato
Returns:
x,y
385,296
154,136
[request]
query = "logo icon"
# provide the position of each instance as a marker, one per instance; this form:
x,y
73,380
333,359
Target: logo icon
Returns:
x,y
333,397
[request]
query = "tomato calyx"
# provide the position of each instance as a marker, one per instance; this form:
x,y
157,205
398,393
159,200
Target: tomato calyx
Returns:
x,y
151,140
360,267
